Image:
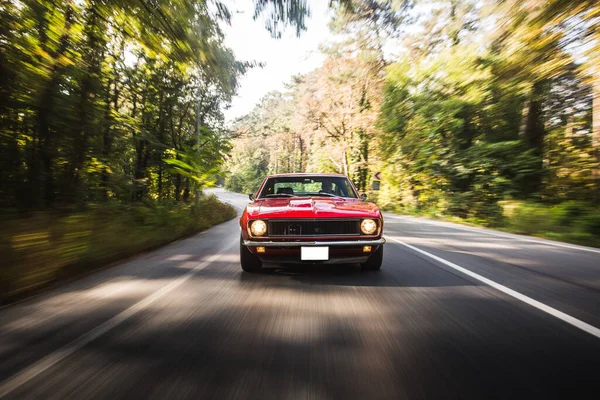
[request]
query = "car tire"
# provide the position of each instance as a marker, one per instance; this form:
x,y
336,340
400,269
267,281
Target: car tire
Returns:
x,y
374,262
249,261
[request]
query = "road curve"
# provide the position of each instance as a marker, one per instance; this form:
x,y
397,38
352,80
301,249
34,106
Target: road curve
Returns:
x,y
185,322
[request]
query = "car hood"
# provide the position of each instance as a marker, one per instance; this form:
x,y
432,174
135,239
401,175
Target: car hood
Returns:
x,y
312,207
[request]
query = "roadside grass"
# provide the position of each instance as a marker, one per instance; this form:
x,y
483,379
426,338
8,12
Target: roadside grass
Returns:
x,y
45,248
570,222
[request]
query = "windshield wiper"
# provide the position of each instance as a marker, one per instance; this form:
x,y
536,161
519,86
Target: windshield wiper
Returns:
x,y
333,195
325,194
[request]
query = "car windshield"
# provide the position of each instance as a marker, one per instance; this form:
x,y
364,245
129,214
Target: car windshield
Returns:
x,y
323,186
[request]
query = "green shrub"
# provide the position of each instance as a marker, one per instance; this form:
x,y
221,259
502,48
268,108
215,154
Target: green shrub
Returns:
x,y
575,222
531,218
591,224
568,213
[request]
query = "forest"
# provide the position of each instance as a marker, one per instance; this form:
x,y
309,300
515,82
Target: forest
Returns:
x,y
484,112
99,101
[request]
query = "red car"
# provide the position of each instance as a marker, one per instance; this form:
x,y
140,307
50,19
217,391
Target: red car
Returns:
x,y
310,218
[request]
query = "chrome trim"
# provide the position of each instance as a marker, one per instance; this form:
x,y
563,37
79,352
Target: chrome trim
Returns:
x,y
320,243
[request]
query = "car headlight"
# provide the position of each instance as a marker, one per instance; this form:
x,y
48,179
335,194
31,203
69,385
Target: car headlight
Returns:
x,y
258,228
368,226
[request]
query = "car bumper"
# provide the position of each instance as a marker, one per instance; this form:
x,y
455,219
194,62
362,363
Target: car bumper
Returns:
x,y
340,252
333,243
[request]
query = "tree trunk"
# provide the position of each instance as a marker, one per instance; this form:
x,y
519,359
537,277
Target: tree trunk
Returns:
x,y
524,115
345,162
107,134
533,135
364,176
91,88
137,171
32,155
301,167
161,137
140,142
46,146
47,104
177,187
596,133
186,190
159,187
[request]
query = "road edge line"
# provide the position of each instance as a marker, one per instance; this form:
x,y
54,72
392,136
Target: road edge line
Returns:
x,y
592,330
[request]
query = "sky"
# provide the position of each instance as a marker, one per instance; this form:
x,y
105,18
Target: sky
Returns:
x,y
283,58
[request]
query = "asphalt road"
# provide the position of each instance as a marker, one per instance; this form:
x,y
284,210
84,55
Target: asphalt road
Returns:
x,y
455,312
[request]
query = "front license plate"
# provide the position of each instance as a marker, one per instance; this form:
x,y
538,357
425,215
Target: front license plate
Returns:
x,y
314,253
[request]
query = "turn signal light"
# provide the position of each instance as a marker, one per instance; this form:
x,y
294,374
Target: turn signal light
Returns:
x,y
366,249
260,249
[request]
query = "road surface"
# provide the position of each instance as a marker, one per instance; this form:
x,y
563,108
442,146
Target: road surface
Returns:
x,y
455,312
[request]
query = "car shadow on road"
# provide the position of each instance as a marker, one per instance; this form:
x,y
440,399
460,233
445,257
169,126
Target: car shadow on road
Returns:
x,y
352,275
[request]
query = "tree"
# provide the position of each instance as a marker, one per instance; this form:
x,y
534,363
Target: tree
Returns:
x,y
95,95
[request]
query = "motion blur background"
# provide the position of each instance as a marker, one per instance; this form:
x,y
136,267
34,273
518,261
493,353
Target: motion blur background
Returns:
x,y
114,115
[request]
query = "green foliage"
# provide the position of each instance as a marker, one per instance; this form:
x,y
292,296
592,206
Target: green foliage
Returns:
x,y
572,221
248,168
568,213
468,123
45,248
101,93
591,225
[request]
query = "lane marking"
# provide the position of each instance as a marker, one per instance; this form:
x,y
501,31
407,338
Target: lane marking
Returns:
x,y
502,235
24,376
592,330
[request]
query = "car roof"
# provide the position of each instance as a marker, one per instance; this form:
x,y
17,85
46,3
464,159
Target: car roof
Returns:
x,y
300,174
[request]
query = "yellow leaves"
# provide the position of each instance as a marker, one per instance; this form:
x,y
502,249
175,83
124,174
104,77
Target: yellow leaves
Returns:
x,y
551,68
593,13
65,61
40,52
95,166
170,153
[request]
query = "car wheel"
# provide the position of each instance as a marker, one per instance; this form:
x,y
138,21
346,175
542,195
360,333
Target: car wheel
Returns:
x,y
250,262
374,262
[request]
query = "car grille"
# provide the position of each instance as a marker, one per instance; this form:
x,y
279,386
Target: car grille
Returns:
x,y
303,227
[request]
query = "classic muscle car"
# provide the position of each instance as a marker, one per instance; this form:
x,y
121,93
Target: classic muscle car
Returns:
x,y
310,218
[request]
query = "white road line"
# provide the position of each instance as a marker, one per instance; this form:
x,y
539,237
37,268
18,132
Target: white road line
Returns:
x,y
506,236
24,376
592,330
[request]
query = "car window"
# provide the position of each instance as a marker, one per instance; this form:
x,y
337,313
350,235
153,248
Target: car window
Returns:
x,y
323,186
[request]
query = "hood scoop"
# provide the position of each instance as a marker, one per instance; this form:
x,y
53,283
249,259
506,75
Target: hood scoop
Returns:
x,y
301,203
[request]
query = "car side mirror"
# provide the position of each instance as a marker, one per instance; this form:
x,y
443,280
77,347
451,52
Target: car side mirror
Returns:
x,y
251,196
363,197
